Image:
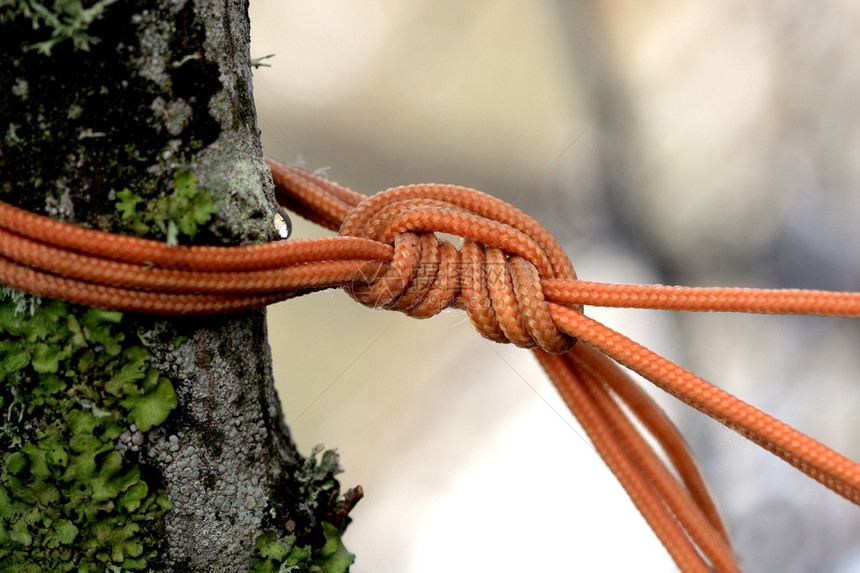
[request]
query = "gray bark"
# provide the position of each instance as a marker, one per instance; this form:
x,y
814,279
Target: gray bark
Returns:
x,y
122,100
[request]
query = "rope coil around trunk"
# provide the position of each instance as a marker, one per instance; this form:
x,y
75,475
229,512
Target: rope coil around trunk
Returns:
x,y
516,285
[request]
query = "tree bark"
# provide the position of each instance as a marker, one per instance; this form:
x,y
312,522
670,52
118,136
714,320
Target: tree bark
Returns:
x,y
130,442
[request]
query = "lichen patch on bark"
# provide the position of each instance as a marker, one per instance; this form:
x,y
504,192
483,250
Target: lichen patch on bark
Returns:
x,y
150,132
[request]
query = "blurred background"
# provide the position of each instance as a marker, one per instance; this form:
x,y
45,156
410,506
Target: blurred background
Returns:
x,y
687,142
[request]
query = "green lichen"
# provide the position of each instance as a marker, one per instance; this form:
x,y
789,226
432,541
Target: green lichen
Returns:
x,y
180,212
61,20
282,555
316,478
71,383
102,121
260,62
285,554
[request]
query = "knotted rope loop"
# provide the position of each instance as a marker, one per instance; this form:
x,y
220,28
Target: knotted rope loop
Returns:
x,y
516,285
495,276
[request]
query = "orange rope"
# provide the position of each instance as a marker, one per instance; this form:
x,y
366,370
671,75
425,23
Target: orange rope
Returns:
x,y
516,285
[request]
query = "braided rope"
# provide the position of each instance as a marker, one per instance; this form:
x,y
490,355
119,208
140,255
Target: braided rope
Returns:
x,y
516,285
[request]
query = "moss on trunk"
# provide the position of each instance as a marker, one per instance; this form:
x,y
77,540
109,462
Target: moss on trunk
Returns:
x,y
130,442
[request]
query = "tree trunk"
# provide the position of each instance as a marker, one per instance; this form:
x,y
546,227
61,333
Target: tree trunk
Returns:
x,y
131,442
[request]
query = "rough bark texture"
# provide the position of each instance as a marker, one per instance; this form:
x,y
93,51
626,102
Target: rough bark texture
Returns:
x,y
127,441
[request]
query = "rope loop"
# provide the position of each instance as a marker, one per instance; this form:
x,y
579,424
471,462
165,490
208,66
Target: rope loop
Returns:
x,y
495,275
516,285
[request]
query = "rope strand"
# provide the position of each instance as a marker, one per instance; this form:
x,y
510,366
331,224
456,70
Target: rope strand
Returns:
x,y
516,285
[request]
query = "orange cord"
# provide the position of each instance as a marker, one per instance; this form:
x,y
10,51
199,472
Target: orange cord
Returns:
x,y
516,285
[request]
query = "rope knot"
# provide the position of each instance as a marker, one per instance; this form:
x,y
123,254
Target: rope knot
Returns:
x,y
495,275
